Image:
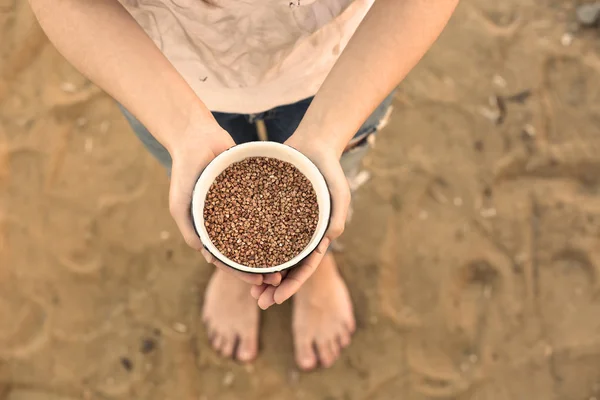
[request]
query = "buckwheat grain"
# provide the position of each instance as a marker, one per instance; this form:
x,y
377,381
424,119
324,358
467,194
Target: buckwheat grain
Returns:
x,y
261,212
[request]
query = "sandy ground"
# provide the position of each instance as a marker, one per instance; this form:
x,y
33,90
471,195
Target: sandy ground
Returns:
x,y
473,256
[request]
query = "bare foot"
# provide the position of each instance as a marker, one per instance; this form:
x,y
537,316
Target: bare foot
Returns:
x,y
231,317
323,320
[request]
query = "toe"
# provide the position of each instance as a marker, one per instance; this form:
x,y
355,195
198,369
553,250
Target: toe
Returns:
x,y
344,338
326,354
217,342
335,349
351,324
227,346
247,348
305,355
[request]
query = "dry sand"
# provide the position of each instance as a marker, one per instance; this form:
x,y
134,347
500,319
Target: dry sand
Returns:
x,y
473,256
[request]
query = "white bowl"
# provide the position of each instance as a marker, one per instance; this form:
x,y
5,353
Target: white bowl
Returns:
x,y
261,149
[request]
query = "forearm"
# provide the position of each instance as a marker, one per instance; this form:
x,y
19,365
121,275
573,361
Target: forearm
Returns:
x,y
106,44
390,41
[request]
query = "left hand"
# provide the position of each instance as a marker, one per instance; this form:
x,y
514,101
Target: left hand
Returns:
x,y
327,160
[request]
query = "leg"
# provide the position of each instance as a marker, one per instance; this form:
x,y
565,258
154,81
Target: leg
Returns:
x,y
229,312
323,319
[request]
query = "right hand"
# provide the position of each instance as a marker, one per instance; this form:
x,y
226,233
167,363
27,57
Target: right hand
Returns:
x,y
191,152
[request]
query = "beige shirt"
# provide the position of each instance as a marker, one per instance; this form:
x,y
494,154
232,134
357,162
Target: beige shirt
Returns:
x,y
248,56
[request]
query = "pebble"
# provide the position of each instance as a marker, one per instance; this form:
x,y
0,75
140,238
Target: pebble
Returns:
x,y
529,130
147,345
68,87
294,376
423,215
180,328
228,379
488,212
104,126
566,39
165,235
89,145
499,81
458,201
588,14
81,122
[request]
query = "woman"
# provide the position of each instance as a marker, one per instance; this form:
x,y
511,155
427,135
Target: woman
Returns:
x,y
193,75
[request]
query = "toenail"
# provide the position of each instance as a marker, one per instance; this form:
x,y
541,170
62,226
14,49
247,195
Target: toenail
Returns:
x,y
306,362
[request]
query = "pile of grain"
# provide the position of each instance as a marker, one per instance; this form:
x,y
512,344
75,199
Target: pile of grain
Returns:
x,y
261,212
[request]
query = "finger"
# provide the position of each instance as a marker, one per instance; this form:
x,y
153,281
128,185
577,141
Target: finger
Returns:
x,y
183,180
340,199
272,279
266,299
256,291
296,277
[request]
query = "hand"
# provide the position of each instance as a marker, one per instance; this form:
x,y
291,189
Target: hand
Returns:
x,y
191,152
327,159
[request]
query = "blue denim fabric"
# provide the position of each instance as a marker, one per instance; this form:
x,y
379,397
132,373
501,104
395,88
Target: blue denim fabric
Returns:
x,y
281,122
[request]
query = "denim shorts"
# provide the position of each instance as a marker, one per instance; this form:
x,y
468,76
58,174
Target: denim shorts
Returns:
x,y
280,122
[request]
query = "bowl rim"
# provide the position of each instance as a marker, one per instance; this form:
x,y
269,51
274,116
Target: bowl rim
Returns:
x,y
277,268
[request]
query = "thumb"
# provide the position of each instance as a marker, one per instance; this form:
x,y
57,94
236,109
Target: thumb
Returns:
x,y
183,179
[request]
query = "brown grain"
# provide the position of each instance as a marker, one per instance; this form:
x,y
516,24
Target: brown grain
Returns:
x,y
261,212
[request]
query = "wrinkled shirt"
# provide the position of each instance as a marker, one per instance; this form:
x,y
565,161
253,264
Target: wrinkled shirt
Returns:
x,y
248,56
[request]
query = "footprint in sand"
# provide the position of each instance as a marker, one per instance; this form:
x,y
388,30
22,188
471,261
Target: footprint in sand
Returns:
x,y
568,255
24,325
479,307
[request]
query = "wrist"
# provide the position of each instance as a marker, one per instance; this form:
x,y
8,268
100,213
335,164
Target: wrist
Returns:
x,y
188,128
320,137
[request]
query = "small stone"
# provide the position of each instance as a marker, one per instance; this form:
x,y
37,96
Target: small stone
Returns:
x,y
89,145
104,126
294,377
566,39
81,122
458,201
180,328
487,291
165,235
488,212
147,345
68,87
473,358
499,81
588,14
423,215
228,379
127,363
373,320
548,350
529,130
